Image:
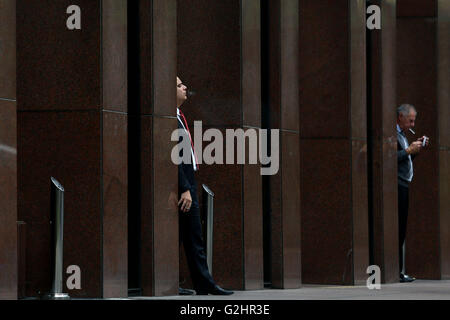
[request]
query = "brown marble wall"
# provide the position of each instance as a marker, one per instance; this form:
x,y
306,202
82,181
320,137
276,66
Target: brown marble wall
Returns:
x,y
417,8
156,118
383,159
333,147
443,39
417,85
283,46
219,58
72,125
8,152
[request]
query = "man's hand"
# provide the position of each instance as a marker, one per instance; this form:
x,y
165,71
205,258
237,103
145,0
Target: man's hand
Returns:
x,y
415,147
185,201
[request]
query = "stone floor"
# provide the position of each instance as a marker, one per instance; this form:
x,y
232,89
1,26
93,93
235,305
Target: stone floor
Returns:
x,y
417,290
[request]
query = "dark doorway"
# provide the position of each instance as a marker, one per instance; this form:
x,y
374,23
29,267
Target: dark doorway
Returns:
x,y
265,124
134,153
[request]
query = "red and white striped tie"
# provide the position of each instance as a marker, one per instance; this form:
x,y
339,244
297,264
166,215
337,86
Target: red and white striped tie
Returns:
x,y
190,138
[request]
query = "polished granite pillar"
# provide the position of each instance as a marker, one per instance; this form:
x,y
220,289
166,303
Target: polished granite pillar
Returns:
x,y
156,120
8,151
417,76
333,147
383,151
443,38
283,95
72,125
219,59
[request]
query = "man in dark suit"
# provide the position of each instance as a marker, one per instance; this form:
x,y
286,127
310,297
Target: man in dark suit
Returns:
x,y
189,220
406,117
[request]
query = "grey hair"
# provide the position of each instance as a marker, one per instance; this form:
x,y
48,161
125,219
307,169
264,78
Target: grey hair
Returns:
x,y
405,109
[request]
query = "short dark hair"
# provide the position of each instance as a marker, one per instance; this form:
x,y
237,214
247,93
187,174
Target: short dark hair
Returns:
x,y
405,109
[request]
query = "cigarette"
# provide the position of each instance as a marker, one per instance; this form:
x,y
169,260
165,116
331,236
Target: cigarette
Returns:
x,y
412,131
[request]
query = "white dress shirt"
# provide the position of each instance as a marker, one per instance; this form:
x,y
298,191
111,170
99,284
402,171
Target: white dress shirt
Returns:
x,y
194,162
405,146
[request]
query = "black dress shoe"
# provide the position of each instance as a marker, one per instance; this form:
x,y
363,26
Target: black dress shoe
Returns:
x,y
406,278
185,292
216,291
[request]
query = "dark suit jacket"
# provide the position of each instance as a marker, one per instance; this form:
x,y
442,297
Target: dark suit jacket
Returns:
x,y
403,162
186,177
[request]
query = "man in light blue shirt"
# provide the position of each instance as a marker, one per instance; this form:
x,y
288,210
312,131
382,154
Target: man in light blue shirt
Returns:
x,y
406,117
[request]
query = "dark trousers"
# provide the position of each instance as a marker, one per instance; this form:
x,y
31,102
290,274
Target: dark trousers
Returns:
x,y
403,200
191,236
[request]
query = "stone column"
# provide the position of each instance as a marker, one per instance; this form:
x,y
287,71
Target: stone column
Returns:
x,y
333,147
283,97
8,151
443,39
155,114
72,125
383,143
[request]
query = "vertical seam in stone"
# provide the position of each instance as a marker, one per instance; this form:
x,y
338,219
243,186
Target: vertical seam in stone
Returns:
x,y
102,207
350,81
152,103
437,130
280,79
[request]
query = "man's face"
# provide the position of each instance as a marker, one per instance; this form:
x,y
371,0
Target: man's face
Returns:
x,y
181,92
408,121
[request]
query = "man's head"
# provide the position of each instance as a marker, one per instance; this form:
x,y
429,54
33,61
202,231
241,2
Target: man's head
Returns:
x,y
181,93
406,116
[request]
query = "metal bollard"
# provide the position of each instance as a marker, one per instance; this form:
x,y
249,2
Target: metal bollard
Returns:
x,y
404,258
208,202
57,219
